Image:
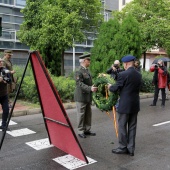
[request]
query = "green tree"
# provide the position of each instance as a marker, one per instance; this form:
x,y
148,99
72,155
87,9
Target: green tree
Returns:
x,y
50,27
114,41
103,52
128,39
154,19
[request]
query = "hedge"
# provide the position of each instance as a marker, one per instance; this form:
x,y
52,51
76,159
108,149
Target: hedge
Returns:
x,y
64,85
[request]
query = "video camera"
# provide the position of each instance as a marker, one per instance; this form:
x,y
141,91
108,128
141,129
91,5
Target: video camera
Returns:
x,y
5,74
116,66
157,65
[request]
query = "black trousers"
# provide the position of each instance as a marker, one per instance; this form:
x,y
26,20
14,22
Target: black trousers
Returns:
x,y
127,125
156,93
5,108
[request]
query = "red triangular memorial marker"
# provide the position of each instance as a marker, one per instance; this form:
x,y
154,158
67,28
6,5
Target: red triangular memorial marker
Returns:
x,y
59,128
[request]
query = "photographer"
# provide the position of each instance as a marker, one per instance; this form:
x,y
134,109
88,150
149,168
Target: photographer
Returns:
x,y
115,69
159,81
137,65
4,80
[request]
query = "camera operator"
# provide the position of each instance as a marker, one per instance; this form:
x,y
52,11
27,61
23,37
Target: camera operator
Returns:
x,y
114,70
137,65
159,81
4,80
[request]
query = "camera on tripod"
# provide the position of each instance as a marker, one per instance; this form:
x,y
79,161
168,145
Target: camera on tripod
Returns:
x,y
5,74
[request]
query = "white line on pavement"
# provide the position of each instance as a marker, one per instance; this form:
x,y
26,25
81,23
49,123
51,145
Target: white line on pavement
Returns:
x,y
159,124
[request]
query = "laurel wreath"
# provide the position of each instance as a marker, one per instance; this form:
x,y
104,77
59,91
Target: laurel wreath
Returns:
x,y
103,99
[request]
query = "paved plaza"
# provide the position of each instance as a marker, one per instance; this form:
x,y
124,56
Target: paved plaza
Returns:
x,y
20,150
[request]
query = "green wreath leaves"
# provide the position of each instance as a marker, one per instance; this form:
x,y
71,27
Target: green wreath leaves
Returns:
x,y
100,97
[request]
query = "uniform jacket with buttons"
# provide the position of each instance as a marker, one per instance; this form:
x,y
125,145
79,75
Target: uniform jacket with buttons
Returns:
x,y
83,80
128,84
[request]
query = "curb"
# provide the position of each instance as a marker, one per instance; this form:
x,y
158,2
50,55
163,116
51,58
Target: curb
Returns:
x,y
67,106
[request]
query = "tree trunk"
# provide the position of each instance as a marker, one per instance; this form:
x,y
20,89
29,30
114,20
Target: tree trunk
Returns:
x,y
144,60
62,63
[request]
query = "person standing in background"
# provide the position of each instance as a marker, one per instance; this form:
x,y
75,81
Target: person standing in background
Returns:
x,y
115,69
137,65
83,97
159,81
8,65
4,80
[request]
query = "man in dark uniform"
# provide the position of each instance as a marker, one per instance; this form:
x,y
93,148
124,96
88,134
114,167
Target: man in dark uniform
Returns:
x,y
128,83
83,96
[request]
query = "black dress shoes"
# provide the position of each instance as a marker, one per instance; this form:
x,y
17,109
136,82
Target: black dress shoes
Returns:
x,y
82,135
152,104
90,133
119,151
130,153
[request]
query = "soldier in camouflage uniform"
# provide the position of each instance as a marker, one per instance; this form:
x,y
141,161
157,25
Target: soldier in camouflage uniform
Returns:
x,y
83,97
8,65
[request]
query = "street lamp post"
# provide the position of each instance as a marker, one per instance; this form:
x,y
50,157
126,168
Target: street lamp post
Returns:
x,y
73,56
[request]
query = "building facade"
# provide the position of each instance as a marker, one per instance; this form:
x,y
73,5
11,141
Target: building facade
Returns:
x,y
11,20
71,60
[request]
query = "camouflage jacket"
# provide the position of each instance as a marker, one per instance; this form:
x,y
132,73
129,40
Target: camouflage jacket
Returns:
x,y
83,80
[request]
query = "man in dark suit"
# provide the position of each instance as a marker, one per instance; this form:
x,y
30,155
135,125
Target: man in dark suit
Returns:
x,y
128,84
83,96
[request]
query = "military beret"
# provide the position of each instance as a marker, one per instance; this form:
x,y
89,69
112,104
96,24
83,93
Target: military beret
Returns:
x,y
128,58
85,56
8,52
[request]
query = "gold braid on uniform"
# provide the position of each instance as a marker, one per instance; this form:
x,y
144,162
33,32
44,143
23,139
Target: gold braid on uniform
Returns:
x,y
103,99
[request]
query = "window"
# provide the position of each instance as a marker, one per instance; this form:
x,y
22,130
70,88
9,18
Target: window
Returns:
x,y
123,2
20,3
18,20
10,2
106,16
6,18
68,62
89,42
